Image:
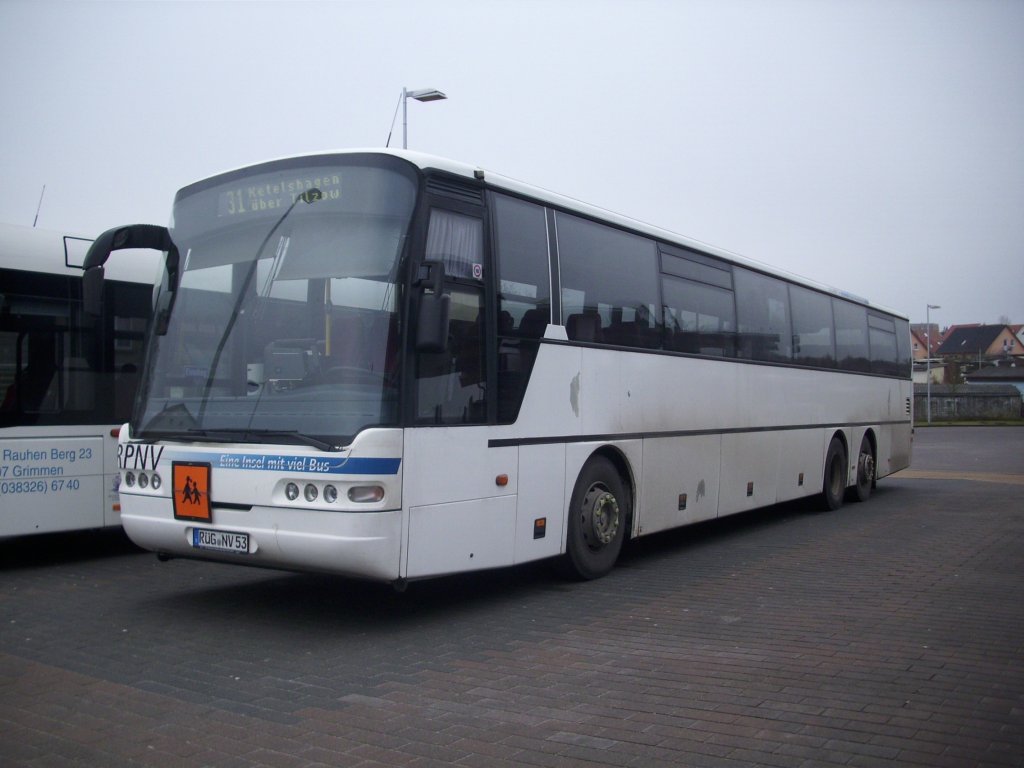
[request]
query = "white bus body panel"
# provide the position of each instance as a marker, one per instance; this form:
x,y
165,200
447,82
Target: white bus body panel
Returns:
x,y
247,487
673,497
544,468
701,438
363,545
57,478
741,447
461,536
462,519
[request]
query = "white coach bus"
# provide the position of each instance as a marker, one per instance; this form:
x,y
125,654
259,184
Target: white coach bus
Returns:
x,y
66,380
395,366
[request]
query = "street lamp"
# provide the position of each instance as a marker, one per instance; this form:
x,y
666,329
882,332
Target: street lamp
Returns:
x,y
421,94
928,359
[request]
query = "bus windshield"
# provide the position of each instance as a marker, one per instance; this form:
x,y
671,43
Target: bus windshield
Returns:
x,y
285,318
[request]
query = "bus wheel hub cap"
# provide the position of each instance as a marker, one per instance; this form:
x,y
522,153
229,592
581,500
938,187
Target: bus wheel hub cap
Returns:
x,y
600,517
867,467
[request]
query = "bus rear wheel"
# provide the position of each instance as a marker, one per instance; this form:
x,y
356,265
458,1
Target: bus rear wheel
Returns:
x,y
834,483
598,514
865,471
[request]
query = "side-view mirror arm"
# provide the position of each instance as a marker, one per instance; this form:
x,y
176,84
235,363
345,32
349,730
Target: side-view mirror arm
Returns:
x,y
119,238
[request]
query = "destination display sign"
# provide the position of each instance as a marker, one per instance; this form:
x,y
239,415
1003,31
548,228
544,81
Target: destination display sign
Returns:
x,y
260,196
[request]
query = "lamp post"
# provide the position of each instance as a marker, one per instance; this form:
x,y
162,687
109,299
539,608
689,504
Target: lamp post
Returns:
x,y
928,359
421,94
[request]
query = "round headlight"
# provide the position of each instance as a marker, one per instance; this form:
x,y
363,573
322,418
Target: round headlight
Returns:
x,y
155,482
310,492
291,491
330,494
143,480
129,479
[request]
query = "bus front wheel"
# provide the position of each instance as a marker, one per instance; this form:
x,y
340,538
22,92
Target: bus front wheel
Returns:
x,y
834,484
598,515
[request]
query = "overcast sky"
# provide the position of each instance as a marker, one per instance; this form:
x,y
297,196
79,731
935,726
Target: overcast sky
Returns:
x,y
876,146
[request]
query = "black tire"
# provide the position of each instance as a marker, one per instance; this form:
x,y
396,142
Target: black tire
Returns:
x,y
865,481
833,486
598,515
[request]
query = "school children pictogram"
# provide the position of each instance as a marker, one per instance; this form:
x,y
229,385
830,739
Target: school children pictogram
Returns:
x,y
191,489
190,494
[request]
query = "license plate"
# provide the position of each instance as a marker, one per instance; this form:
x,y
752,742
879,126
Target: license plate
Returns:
x,y
220,541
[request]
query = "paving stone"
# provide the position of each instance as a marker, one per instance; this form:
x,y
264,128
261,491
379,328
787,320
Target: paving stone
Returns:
x,y
886,633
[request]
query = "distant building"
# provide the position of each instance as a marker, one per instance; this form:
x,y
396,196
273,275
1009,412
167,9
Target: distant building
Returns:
x,y
922,337
980,342
967,349
1003,372
919,343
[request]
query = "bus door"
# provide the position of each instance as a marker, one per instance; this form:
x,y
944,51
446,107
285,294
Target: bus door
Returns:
x,y
459,516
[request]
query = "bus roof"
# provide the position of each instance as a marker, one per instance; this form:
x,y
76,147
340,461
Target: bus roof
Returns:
x,y
495,180
42,250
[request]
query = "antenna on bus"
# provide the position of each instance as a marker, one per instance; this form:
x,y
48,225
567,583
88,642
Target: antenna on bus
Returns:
x,y
39,207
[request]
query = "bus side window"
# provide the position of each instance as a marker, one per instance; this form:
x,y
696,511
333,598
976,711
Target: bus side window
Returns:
x,y
457,240
813,342
851,336
34,389
451,385
520,232
609,281
699,318
764,328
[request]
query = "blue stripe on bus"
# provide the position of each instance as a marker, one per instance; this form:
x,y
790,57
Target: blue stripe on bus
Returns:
x,y
277,462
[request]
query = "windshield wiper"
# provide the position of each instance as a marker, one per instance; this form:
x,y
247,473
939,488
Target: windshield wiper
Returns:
x,y
309,197
261,436
241,436
190,435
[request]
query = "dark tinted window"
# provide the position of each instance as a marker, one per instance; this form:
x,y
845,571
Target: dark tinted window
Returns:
x,y
523,273
813,342
851,336
695,266
903,353
520,231
699,318
762,309
61,366
609,284
882,341
451,385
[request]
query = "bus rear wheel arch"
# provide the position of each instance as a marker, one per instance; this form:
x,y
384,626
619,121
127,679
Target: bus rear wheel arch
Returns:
x,y
600,513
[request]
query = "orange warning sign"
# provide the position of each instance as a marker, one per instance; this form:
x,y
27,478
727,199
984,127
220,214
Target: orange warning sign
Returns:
x,y
191,488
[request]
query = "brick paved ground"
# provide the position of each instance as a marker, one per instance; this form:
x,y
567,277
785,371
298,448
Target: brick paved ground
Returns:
x,y
890,633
